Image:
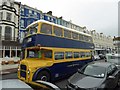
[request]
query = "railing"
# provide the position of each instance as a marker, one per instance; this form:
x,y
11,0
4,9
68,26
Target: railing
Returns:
x,y
8,38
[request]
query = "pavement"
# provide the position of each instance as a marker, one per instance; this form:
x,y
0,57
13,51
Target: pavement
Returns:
x,y
8,65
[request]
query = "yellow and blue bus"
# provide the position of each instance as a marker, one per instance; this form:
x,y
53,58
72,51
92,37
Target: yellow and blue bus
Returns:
x,y
50,52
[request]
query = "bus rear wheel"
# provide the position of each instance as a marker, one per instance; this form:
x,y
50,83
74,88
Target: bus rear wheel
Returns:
x,y
44,76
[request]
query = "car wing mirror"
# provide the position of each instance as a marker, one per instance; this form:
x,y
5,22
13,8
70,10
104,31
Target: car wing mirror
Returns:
x,y
48,84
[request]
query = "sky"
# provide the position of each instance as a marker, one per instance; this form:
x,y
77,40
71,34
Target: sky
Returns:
x,y
99,15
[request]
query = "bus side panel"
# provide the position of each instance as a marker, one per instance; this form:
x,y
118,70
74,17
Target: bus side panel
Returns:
x,y
60,70
47,41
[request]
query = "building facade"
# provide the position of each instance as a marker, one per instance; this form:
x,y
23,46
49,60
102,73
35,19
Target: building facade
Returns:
x,y
15,17
9,27
27,16
103,44
116,41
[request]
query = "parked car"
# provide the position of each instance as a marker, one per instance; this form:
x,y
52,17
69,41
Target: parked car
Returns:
x,y
113,58
95,76
102,56
20,85
96,57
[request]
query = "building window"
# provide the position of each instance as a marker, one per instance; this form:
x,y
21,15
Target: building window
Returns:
x,y
8,32
22,23
12,4
0,32
58,31
4,3
35,13
30,11
1,15
9,16
22,11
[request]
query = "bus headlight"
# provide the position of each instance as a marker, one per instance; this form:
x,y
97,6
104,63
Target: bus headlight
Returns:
x,y
28,71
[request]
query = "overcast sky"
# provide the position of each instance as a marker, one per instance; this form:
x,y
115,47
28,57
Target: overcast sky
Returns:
x,y
101,15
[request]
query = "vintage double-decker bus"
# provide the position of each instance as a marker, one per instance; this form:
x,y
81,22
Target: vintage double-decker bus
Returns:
x,y
51,52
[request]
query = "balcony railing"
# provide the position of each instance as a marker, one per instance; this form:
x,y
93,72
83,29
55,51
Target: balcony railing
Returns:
x,y
6,38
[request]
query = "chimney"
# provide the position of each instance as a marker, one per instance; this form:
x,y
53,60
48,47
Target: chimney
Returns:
x,y
60,17
50,13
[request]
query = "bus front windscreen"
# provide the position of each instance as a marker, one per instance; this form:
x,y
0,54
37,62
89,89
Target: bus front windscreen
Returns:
x,y
37,53
31,30
33,53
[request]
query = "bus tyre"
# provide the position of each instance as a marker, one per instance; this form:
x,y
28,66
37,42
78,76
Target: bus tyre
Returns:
x,y
44,76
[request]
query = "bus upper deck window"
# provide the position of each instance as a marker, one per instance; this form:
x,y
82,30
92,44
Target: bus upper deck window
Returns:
x,y
58,31
46,29
26,32
67,34
33,29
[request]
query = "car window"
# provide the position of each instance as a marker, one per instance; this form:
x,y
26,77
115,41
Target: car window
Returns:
x,y
114,68
111,69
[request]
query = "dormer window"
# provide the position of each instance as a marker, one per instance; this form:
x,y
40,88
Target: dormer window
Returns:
x,y
4,3
11,4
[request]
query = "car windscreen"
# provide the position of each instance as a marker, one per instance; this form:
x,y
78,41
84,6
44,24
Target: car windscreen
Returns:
x,y
93,70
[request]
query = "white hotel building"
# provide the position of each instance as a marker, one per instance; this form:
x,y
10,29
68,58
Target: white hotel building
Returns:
x,y
9,26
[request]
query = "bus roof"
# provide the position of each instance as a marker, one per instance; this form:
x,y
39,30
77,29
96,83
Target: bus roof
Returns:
x,y
43,21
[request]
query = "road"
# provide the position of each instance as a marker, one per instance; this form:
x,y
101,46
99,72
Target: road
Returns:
x,y
60,83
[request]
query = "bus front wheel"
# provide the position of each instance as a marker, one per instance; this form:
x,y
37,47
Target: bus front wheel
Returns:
x,y
44,76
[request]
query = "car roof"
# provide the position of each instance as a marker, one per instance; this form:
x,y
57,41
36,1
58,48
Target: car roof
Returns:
x,y
14,83
101,64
